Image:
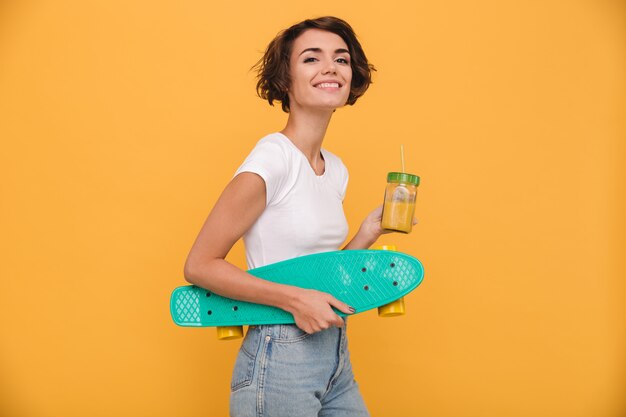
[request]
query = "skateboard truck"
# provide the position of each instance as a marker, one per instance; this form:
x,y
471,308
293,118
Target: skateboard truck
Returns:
x,y
394,308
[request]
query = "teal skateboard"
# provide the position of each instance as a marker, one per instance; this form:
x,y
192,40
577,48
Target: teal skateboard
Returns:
x,y
363,279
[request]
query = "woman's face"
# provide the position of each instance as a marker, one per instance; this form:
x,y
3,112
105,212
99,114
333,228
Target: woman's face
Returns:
x,y
320,71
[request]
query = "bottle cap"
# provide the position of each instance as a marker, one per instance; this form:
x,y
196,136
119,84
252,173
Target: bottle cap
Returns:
x,y
403,177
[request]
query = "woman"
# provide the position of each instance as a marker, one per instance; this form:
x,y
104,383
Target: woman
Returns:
x,y
285,200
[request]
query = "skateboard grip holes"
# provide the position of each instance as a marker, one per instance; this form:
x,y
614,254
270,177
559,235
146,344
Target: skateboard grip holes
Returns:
x,y
363,269
392,265
209,312
366,287
235,308
208,294
395,283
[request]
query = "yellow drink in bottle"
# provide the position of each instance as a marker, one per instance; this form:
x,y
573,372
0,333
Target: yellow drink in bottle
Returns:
x,y
399,205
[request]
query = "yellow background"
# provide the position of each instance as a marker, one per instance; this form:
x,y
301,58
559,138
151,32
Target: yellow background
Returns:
x,y
122,121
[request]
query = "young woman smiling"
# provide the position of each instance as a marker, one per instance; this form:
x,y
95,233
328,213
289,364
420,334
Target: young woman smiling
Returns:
x,y
285,200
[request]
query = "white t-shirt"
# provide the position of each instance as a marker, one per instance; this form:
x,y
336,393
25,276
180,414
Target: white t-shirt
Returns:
x,y
303,212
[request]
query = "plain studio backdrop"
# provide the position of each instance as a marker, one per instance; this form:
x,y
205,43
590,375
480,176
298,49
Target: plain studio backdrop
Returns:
x,y
122,121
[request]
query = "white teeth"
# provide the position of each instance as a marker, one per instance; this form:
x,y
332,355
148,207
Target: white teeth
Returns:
x,y
328,85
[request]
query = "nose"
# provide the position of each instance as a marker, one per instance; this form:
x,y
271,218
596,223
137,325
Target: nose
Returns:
x,y
330,67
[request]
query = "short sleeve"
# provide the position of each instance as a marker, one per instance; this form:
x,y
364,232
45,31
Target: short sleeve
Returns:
x,y
344,180
269,161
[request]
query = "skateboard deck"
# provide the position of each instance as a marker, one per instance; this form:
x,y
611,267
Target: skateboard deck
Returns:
x,y
363,279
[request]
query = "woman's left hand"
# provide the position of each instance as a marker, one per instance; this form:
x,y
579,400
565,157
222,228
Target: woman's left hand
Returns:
x,y
370,230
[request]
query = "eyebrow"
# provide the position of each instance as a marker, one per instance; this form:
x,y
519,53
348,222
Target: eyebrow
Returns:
x,y
337,51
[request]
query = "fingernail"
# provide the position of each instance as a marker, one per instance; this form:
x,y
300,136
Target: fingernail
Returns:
x,y
351,309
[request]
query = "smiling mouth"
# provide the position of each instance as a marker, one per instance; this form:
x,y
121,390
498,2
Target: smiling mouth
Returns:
x,y
327,85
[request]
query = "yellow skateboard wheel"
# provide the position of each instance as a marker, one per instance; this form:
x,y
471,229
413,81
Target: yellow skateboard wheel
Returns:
x,y
229,332
394,308
385,247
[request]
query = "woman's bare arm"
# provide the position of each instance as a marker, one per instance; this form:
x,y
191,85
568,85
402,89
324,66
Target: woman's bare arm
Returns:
x,y
369,231
237,209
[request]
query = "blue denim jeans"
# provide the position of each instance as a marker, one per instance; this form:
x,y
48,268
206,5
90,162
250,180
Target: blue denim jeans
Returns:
x,y
282,371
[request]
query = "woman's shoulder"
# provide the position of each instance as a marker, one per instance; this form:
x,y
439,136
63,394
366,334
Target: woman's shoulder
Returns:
x,y
333,159
275,139
271,147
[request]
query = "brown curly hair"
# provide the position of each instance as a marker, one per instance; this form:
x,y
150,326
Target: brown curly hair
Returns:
x,y
273,68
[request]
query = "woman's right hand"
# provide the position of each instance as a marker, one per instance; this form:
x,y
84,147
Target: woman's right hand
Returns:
x,y
312,310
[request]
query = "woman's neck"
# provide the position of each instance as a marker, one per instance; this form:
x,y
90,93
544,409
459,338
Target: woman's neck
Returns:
x,y
307,129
